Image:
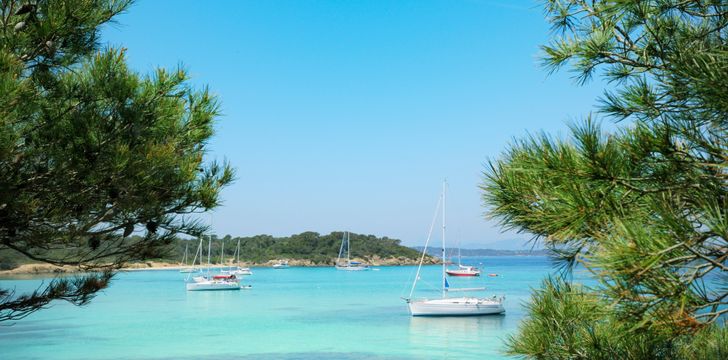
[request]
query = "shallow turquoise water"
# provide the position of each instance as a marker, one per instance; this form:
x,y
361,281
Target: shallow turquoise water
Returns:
x,y
297,313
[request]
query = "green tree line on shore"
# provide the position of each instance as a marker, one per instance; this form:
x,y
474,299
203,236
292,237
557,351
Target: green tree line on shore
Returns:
x,y
317,248
311,246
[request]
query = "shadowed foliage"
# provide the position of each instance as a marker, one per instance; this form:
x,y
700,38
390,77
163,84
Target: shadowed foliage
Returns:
x,y
568,321
92,152
642,208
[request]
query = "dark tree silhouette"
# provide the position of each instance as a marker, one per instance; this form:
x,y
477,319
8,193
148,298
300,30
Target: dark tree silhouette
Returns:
x,y
92,152
643,208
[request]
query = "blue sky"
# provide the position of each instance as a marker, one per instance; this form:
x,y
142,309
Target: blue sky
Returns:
x,y
347,115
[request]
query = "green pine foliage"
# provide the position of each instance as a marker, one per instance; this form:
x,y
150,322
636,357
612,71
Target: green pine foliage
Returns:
x,y
91,151
644,208
568,321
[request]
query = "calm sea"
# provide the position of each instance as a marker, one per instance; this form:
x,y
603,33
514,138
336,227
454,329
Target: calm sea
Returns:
x,y
296,313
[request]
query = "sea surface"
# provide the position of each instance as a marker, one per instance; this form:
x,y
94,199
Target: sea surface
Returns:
x,y
295,313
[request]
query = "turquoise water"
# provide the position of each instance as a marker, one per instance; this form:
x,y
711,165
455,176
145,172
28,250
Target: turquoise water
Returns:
x,y
296,313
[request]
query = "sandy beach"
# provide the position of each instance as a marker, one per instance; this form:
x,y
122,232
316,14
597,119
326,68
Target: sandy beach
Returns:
x,y
37,269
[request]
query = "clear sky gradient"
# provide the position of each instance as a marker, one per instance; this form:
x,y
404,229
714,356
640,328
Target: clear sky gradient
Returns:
x,y
347,115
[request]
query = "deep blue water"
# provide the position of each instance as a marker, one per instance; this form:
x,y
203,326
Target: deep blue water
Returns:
x,y
296,313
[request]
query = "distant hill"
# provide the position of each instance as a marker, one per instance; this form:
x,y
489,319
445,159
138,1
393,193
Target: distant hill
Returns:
x,y
317,249
505,244
435,251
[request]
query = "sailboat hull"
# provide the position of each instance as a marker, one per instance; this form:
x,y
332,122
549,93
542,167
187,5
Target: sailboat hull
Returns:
x,y
462,273
212,286
352,268
240,271
464,306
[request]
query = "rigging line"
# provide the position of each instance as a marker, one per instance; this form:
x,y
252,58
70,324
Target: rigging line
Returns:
x,y
427,242
199,250
429,285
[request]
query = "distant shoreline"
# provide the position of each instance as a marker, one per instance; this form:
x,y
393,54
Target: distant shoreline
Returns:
x,y
451,252
45,269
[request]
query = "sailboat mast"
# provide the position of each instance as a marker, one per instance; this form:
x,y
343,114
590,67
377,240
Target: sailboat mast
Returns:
x,y
459,257
444,183
198,253
209,245
209,250
341,249
237,250
348,249
424,250
184,258
222,254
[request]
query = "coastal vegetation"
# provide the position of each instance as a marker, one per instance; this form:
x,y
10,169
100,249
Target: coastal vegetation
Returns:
x,y
91,152
309,248
642,207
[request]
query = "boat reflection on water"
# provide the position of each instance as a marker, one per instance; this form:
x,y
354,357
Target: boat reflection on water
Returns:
x,y
460,334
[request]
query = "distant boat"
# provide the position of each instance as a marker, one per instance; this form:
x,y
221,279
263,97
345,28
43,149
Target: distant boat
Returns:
x,y
237,270
186,269
348,265
208,282
447,306
283,264
217,282
463,270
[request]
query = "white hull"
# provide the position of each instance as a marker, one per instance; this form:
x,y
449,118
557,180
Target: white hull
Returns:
x,y
212,285
244,271
463,306
278,266
463,272
352,268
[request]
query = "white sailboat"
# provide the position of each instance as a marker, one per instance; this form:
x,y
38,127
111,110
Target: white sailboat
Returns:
x,y
450,306
348,265
217,282
210,282
237,270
